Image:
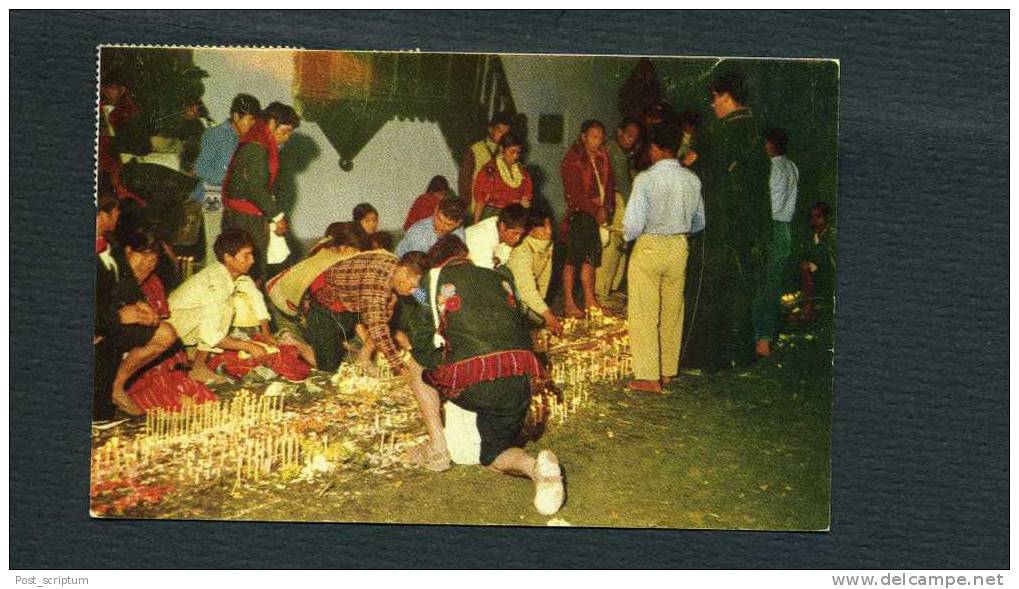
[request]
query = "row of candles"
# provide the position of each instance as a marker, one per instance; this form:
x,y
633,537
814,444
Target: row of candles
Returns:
x,y
202,457
206,441
244,410
574,371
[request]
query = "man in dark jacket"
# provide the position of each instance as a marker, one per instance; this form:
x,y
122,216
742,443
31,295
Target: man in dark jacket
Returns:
x,y
249,197
728,260
473,341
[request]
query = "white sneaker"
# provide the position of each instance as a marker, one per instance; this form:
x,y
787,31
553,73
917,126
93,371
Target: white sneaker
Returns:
x,y
548,483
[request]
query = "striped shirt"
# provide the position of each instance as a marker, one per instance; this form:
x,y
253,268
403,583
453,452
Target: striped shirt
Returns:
x,y
362,285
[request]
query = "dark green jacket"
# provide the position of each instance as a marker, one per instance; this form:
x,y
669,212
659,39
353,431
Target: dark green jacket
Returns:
x,y
734,170
249,178
482,316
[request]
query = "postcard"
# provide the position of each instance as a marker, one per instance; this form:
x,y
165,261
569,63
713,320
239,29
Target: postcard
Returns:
x,y
464,288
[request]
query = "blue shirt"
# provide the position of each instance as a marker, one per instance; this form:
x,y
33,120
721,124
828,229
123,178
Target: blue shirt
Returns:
x,y
218,146
784,180
665,200
421,237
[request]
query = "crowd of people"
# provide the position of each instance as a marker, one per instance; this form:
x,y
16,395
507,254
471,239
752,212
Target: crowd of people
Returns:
x,y
452,306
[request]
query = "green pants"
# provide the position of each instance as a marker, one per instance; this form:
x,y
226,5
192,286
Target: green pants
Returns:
x,y
282,322
769,293
326,333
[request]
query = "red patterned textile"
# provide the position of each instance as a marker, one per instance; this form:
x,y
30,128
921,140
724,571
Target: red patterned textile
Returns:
x,y
451,379
164,385
286,363
155,295
331,304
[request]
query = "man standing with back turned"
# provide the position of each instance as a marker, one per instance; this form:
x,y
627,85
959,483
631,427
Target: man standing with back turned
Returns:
x,y
665,207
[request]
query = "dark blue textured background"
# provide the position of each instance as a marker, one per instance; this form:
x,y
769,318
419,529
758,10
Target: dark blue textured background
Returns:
x,y
921,379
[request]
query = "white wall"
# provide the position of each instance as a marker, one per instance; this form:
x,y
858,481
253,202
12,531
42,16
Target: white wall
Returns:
x,y
395,166
389,172
266,74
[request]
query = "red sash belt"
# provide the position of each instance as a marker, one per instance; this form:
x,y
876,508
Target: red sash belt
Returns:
x,y
331,304
451,379
242,206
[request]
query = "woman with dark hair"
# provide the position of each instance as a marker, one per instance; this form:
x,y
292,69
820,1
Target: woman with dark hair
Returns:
x,y
287,290
367,216
424,205
504,181
136,307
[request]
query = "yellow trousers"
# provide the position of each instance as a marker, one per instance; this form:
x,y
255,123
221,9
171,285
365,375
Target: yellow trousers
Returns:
x,y
609,276
655,279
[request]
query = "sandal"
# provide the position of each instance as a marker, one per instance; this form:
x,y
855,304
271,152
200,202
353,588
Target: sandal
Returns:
x,y
548,483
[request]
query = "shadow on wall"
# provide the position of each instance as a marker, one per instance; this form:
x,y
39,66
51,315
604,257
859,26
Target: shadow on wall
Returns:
x,y
295,158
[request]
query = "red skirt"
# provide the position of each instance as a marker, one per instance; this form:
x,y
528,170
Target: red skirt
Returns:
x,y
164,385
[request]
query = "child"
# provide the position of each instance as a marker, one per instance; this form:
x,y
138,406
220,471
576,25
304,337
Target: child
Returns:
x,y
366,215
817,265
784,185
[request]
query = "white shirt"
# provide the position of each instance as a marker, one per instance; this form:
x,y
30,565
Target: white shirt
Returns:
x,y
484,245
202,309
785,178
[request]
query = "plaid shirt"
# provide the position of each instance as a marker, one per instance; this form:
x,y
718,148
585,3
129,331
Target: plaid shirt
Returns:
x,y
362,285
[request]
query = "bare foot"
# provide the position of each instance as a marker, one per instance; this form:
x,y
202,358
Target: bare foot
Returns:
x,y
666,380
201,373
573,311
596,305
125,404
425,456
645,386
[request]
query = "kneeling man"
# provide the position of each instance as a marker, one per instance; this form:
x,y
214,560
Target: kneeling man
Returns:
x,y
473,338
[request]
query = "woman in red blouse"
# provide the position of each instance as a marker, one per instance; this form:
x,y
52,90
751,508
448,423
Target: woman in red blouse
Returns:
x,y
503,181
424,205
589,190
